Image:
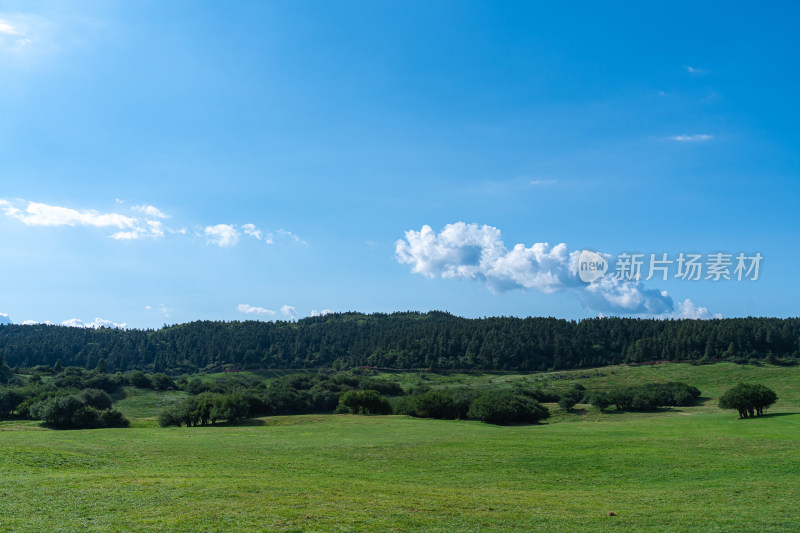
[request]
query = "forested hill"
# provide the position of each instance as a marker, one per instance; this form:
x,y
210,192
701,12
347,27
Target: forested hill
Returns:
x,y
433,340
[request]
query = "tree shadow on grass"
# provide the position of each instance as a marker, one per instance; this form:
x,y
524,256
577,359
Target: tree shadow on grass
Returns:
x,y
768,415
118,394
651,411
248,422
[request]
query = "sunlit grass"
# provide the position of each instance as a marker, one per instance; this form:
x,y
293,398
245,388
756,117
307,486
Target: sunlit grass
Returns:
x,y
664,471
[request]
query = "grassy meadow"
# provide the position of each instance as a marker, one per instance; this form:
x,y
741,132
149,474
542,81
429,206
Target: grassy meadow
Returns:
x,y
687,469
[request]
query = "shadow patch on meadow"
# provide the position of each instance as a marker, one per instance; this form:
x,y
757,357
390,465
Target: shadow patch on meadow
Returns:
x,y
768,415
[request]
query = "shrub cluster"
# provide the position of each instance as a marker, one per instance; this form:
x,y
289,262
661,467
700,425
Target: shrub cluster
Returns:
x,y
647,397
494,406
89,409
205,408
71,397
364,402
294,394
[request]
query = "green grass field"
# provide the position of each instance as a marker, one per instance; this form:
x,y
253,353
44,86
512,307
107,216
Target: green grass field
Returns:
x,y
687,469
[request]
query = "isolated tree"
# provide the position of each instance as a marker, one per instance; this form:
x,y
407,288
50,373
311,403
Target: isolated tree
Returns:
x,y
567,402
748,399
763,397
572,396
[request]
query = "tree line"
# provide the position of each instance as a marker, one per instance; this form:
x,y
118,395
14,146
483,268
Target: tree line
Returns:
x,y
407,340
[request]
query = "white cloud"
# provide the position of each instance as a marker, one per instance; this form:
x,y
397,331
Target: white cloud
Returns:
x,y
39,214
324,312
472,252
7,28
253,310
148,307
35,322
4,319
687,309
18,31
700,137
285,233
150,211
97,323
289,311
128,228
252,231
543,182
694,70
222,235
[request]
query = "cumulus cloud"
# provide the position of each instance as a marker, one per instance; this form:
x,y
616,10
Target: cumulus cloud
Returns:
x,y
700,137
97,323
222,235
687,309
253,310
289,311
324,312
472,252
5,319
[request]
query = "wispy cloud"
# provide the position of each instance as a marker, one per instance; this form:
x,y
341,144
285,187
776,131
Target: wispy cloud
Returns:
x,y
700,137
253,310
472,252
272,237
289,311
7,28
147,221
694,70
39,214
252,231
543,182
150,211
13,36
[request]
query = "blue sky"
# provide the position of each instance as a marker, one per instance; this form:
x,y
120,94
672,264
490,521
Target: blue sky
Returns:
x,y
162,162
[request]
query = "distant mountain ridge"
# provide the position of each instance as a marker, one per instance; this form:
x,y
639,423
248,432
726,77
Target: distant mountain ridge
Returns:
x,y
404,340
